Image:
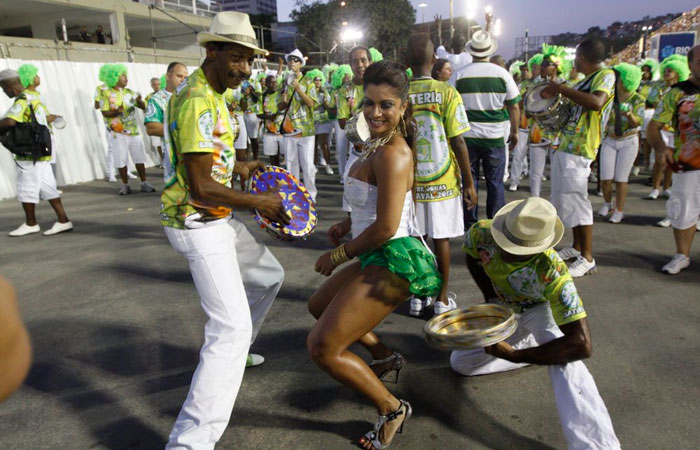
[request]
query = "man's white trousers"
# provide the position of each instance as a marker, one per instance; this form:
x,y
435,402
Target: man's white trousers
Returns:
x,y
582,412
237,279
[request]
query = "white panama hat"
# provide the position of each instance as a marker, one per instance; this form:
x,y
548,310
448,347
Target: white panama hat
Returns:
x,y
233,27
527,227
297,53
481,44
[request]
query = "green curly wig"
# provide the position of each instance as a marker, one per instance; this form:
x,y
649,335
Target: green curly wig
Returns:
x,y
375,55
339,75
536,59
328,69
630,75
27,73
311,75
652,64
113,73
514,68
556,53
409,73
103,72
677,63
163,81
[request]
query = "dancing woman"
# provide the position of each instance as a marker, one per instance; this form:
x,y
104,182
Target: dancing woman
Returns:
x,y
391,266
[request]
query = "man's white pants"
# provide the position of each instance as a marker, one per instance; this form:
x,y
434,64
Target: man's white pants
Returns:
x,y
582,412
237,279
519,164
506,135
299,152
538,160
341,148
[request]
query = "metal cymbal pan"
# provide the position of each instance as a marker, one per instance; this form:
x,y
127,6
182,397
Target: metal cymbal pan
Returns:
x,y
475,326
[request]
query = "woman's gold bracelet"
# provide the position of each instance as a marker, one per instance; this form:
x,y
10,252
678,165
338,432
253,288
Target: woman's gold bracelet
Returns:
x,y
339,255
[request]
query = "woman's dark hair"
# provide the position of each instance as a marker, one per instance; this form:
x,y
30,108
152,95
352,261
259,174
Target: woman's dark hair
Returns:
x,y
394,74
437,67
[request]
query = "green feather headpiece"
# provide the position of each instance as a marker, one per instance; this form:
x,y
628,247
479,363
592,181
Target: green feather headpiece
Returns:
x,y
555,53
677,63
514,68
339,75
535,59
375,54
27,73
630,75
652,64
103,72
113,73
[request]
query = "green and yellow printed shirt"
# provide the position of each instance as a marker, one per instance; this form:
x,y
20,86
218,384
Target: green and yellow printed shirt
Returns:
x,y
680,108
269,102
542,278
21,113
652,92
439,113
197,121
156,105
635,105
301,115
320,111
350,94
583,133
126,123
253,101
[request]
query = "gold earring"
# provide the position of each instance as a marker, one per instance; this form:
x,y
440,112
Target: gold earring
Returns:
x,y
402,126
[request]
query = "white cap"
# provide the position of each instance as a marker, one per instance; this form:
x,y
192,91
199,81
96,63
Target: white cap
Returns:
x,y
8,74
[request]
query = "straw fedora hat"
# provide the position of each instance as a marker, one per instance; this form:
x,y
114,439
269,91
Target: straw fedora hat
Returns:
x,y
231,26
527,227
481,44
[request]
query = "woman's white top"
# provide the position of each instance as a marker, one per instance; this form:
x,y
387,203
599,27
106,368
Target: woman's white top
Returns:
x,y
362,199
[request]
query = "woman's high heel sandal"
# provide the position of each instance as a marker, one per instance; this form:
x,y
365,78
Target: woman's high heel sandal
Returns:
x,y
372,437
397,362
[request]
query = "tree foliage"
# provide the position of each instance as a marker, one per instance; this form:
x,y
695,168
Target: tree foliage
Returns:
x,y
385,24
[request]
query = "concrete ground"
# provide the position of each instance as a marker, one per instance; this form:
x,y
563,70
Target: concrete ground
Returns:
x,y
116,327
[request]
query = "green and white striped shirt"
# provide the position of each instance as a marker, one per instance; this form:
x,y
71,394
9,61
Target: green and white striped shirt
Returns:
x,y
486,89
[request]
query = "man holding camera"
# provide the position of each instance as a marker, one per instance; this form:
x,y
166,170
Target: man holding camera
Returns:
x,y
35,178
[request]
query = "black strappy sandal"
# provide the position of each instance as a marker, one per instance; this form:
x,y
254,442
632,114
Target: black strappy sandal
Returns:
x,y
373,436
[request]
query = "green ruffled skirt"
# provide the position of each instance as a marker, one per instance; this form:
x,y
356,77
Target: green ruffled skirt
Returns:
x,y
408,258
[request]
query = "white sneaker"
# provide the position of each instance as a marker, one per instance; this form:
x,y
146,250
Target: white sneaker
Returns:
x,y
254,360
567,253
131,175
635,171
665,222
417,306
58,227
506,177
544,178
617,216
441,308
125,189
605,209
599,193
653,195
582,267
147,187
678,263
112,179
593,178
329,169
24,230
667,193
513,187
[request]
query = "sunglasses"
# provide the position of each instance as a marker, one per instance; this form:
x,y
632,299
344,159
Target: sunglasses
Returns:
x,y
294,59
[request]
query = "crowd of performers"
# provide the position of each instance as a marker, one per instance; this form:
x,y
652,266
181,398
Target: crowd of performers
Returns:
x,y
433,125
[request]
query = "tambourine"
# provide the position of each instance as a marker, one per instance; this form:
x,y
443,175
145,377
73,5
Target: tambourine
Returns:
x,y
357,129
475,326
296,201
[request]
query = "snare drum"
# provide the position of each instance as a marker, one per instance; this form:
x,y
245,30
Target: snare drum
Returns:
x,y
296,200
357,129
475,326
551,113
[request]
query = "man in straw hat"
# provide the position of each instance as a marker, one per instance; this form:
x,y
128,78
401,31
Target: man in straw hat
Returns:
x,y
491,98
512,261
236,276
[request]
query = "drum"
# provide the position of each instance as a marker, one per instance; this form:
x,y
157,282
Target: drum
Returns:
x,y
475,326
357,129
296,200
551,113
59,123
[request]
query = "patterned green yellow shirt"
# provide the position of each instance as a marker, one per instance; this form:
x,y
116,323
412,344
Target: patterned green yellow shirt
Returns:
x,y
156,105
440,115
320,111
652,92
197,121
301,115
21,113
126,123
635,105
542,278
680,107
582,134
350,93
